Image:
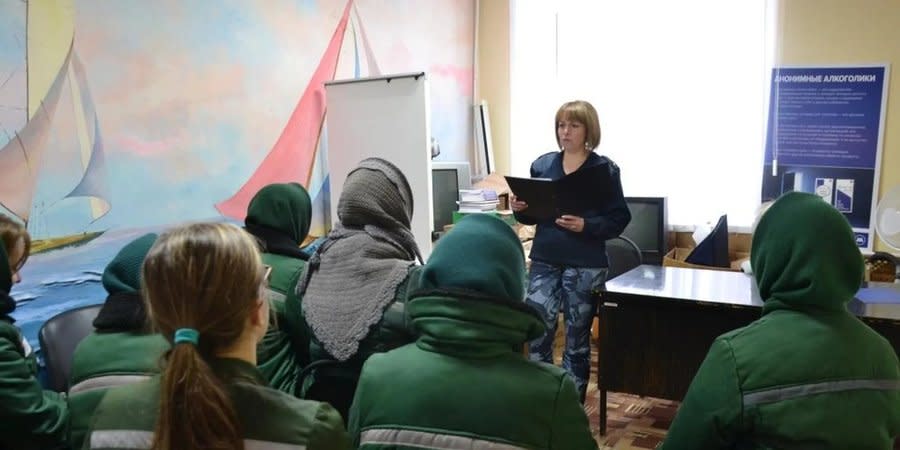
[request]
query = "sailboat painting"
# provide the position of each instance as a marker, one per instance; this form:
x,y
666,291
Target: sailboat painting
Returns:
x,y
119,118
59,114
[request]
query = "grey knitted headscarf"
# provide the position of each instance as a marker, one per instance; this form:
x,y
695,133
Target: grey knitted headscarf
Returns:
x,y
354,275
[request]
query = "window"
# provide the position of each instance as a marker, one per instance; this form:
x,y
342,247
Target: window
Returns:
x,y
680,87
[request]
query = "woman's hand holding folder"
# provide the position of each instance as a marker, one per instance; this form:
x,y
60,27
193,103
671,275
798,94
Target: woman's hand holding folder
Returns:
x,y
571,223
567,221
516,204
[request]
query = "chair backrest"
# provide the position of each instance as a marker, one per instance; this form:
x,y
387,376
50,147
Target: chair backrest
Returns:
x,y
623,255
59,336
333,382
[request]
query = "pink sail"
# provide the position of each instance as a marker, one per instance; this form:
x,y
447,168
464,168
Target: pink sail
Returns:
x,y
374,71
291,159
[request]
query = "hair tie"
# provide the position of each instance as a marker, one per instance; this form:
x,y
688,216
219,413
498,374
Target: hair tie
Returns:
x,y
187,335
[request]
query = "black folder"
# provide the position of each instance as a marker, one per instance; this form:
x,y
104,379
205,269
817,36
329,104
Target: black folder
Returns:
x,y
580,191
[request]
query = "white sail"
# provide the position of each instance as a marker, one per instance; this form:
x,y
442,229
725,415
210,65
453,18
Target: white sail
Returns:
x,y
20,158
57,97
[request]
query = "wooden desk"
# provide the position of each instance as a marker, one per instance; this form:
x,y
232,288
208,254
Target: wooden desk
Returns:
x,y
657,323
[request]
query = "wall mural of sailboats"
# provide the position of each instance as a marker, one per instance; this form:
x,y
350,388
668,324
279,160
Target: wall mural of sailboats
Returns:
x,y
300,153
119,118
29,151
294,155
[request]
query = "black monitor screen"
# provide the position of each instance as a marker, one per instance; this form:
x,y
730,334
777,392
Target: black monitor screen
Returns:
x,y
644,226
648,227
445,193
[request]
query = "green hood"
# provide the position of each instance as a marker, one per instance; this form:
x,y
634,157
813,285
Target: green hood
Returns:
x,y
804,256
480,254
5,271
285,207
471,295
123,273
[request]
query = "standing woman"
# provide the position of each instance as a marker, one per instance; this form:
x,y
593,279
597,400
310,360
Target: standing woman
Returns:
x,y
30,417
205,289
568,256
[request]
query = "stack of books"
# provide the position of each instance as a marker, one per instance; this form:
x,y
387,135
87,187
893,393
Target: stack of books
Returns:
x,y
477,200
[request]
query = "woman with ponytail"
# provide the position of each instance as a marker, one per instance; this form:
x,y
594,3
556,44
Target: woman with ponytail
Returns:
x,y
204,287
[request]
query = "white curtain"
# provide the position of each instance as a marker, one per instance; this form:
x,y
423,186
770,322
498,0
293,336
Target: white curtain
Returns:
x,y
680,87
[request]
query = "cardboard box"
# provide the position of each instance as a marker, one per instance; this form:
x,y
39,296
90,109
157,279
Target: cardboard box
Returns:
x,y
676,257
738,251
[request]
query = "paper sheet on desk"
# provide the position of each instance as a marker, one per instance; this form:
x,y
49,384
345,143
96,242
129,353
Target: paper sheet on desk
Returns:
x,y
878,295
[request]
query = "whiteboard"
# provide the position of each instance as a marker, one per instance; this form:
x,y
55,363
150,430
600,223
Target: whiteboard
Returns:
x,y
386,117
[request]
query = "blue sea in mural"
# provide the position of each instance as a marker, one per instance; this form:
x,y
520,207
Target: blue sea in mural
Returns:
x,y
69,277
65,278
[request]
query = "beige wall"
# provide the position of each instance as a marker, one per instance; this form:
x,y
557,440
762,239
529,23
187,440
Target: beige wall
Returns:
x,y
849,32
493,74
809,32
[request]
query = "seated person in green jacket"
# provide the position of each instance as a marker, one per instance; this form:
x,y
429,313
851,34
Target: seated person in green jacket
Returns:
x,y
122,349
205,288
30,417
278,216
465,382
808,373
354,287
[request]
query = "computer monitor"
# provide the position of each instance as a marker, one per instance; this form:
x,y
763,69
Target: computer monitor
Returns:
x,y
713,249
649,227
462,168
447,178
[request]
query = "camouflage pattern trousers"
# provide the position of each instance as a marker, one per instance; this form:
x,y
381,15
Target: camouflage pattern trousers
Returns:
x,y
552,288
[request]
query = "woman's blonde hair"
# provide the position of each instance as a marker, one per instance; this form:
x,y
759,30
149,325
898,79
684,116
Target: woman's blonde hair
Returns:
x,y
10,234
584,113
207,277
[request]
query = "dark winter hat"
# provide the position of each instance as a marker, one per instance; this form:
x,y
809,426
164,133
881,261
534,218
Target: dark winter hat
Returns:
x,y
123,273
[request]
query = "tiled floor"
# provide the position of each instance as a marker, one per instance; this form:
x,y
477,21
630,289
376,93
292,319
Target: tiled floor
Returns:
x,y
633,422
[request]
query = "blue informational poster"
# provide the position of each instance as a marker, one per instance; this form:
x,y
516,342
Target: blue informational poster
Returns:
x,y
825,131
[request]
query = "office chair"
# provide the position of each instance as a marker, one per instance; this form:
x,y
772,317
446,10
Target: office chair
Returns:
x,y
335,383
59,336
623,255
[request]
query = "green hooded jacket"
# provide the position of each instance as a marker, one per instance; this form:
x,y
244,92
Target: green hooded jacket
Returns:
x,y
808,374
30,417
465,382
269,419
279,217
121,349
327,376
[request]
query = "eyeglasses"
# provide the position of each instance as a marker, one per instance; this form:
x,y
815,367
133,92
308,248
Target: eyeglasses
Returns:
x,y
267,272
